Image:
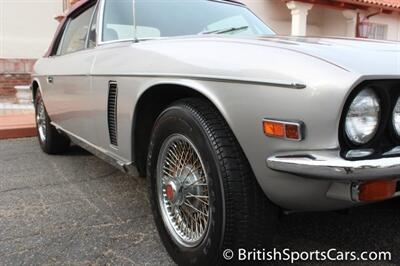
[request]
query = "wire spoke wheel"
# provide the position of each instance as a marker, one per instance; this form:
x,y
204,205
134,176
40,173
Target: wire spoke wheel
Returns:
x,y
41,121
183,194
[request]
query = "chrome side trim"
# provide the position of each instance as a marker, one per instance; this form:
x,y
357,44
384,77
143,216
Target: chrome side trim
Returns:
x,y
228,79
327,164
217,79
126,167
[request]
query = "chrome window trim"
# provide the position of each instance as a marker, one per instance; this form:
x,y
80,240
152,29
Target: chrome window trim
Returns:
x,y
96,6
100,19
69,19
116,41
61,43
69,22
100,23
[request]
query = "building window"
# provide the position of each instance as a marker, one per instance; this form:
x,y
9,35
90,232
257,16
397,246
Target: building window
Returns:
x,y
370,30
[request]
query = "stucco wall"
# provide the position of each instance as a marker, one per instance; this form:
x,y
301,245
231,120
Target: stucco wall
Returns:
x,y
272,12
278,17
27,27
321,21
393,22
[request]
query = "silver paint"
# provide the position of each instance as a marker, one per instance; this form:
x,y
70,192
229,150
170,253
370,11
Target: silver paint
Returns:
x,y
247,79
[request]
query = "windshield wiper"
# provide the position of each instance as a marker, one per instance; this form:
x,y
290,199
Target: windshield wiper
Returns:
x,y
232,29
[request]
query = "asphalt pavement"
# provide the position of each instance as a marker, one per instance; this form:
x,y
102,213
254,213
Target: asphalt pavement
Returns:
x,y
75,209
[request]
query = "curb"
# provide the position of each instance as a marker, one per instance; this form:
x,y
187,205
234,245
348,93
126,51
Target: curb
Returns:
x,y
14,133
17,126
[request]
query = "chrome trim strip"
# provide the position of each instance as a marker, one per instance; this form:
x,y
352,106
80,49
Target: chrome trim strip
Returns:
x,y
126,167
61,42
99,36
100,27
327,164
228,79
95,12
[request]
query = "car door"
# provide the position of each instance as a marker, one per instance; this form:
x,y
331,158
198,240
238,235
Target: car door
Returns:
x,y
68,89
113,120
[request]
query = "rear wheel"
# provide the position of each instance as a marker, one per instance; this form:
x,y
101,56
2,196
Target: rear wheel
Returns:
x,y
204,196
50,140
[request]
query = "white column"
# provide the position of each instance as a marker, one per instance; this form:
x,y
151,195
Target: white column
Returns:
x,y
299,17
351,21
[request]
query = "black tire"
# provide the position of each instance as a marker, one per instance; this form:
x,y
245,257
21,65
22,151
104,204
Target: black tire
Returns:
x,y
53,142
241,215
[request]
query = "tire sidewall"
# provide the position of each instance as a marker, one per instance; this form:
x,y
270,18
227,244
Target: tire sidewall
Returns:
x,y
180,120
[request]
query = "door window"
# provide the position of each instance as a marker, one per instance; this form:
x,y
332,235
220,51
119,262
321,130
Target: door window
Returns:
x,y
118,23
74,38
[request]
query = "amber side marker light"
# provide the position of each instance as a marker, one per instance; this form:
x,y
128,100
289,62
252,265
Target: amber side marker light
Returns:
x,y
377,190
283,129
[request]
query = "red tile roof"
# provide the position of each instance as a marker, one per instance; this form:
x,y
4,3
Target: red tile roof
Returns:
x,y
385,5
392,5
382,3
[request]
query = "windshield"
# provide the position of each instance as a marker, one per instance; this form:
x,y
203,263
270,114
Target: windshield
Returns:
x,y
166,18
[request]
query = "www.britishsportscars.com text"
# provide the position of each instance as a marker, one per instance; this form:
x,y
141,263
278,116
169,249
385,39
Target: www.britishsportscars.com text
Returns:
x,y
293,256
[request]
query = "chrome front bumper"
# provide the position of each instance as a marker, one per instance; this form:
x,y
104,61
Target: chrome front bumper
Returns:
x,y
330,165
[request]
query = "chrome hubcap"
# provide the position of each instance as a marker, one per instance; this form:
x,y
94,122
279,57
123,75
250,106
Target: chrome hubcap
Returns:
x,y
41,121
183,194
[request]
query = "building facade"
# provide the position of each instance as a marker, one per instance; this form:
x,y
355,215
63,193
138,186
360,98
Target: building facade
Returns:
x,y
27,27
375,19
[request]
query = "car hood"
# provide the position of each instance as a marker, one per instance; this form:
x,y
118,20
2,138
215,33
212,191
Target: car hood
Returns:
x,y
365,57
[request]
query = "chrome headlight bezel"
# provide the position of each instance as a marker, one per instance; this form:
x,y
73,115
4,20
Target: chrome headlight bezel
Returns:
x,y
396,117
361,122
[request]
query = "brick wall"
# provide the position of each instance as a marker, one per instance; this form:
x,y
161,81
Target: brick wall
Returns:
x,y
14,72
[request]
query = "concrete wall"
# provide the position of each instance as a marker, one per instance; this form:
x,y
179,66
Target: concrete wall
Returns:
x,y
27,27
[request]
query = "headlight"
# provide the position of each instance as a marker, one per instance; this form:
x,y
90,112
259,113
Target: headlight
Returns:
x,y
396,117
362,119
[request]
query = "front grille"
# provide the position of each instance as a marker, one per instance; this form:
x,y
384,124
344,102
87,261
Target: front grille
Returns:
x,y
112,112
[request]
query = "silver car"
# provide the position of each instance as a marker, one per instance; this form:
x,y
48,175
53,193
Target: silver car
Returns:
x,y
230,123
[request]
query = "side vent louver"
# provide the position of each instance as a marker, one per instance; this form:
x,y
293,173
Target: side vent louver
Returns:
x,y
112,112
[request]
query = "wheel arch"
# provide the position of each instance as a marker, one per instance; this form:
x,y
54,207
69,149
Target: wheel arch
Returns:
x,y
35,86
152,101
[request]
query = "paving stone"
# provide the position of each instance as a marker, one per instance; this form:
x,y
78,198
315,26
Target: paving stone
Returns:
x,y
75,209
